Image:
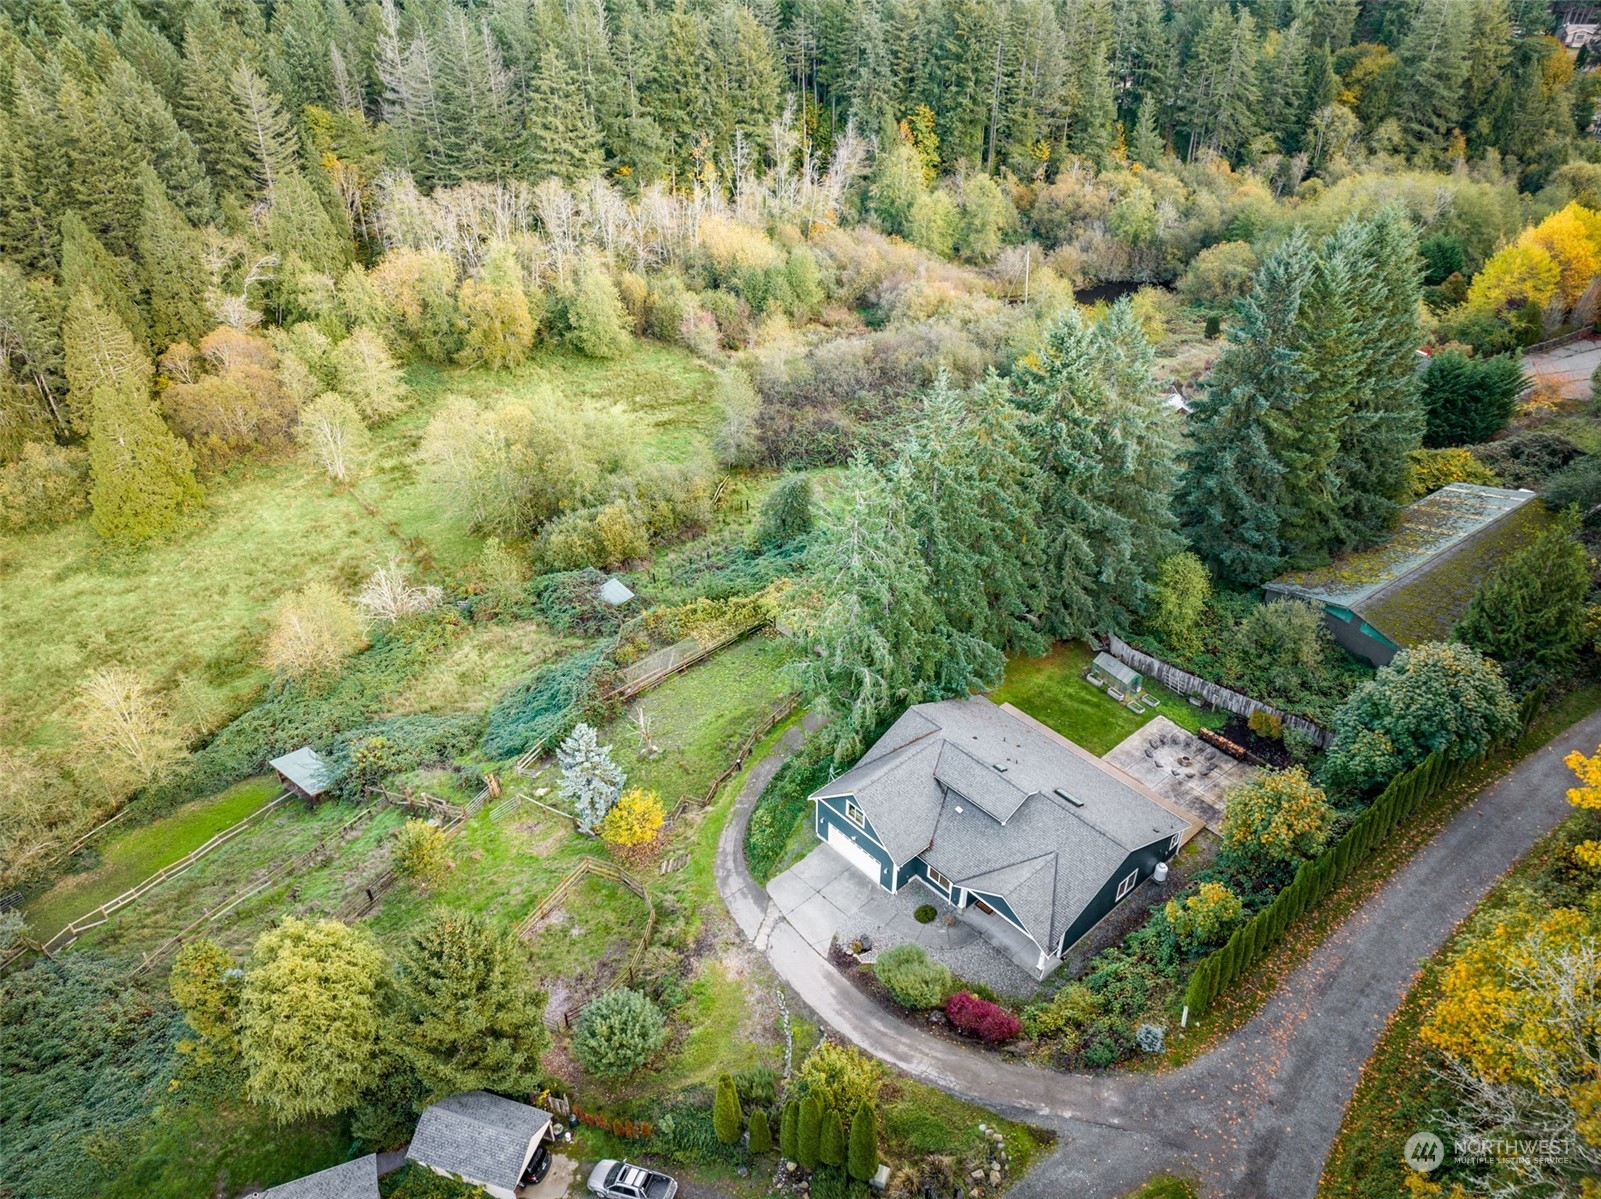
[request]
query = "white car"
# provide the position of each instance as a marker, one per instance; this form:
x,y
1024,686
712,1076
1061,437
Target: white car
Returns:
x,y
619,1180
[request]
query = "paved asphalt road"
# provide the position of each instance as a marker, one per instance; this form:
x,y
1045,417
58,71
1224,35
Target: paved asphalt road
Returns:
x,y
1255,1117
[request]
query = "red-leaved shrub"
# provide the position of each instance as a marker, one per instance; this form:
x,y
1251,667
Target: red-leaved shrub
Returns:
x,y
981,1018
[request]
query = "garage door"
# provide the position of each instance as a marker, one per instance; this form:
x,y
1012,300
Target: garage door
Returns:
x,y
853,853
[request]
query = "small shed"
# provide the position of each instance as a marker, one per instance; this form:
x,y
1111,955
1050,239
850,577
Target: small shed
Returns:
x,y
304,772
615,592
482,1139
1120,681
350,1180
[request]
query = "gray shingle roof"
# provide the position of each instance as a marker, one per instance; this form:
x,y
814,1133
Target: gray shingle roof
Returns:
x,y
350,1180
305,769
1005,833
478,1136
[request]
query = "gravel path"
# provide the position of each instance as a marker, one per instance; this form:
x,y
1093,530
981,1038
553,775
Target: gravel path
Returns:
x,y
1256,1116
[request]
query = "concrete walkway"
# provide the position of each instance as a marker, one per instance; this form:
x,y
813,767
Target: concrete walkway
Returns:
x,y
1255,1117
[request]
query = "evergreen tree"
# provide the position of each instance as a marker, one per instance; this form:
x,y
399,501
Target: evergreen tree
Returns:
x,y
1083,432
1530,615
1434,61
1467,401
862,1157
174,264
809,1133
874,628
831,1144
100,352
146,120
726,1119
1139,453
969,492
1144,140
144,477
597,326
87,265
789,1131
1232,488
263,129
1386,422
466,1012
98,165
31,363
590,780
207,109
561,136
761,1135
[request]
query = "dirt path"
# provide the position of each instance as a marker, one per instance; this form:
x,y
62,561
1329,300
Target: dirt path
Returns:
x,y
1255,1117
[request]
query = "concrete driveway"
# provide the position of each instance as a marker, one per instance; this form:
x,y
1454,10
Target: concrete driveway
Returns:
x,y
824,897
1569,366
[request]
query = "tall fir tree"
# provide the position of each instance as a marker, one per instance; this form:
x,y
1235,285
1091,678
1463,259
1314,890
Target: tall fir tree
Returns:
x,y
1139,454
147,121
1434,64
208,108
871,623
86,264
143,476
467,1013
1231,489
173,260
1387,418
969,491
561,136
263,129
31,363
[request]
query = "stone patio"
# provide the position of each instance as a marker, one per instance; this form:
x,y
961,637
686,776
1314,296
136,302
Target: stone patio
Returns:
x,y
1181,768
823,896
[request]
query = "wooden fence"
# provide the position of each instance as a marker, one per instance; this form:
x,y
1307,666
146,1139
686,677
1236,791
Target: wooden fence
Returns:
x,y
261,883
365,900
774,718
601,869
105,911
1219,696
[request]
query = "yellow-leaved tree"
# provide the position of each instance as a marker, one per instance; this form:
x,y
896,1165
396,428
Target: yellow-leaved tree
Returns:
x,y
1519,1021
633,826
1586,796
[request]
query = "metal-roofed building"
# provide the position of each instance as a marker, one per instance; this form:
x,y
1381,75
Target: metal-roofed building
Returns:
x,y
1416,585
482,1139
615,592
349,1180
304,772
1029,837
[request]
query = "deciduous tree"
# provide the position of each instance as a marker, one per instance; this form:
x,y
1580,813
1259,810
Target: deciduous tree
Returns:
x,y
315,629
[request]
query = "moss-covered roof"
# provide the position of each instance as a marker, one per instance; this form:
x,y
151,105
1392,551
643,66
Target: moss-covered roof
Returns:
x,y
1415,586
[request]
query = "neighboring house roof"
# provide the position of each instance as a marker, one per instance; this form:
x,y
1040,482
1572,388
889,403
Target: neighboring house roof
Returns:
x,y
350,1180
933,786
305,769
477,1136
614,591
1415,586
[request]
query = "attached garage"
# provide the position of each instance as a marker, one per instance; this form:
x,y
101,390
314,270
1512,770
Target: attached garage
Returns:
x,y
853,853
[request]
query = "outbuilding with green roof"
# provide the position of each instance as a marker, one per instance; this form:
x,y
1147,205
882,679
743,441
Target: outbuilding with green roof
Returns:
x,y
1415,586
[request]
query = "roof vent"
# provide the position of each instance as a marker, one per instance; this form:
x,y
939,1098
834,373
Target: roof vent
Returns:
x,y
958,809
1072,799
1001,766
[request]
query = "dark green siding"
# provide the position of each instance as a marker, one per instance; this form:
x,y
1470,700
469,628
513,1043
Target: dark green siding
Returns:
x,y
1143,859
832,812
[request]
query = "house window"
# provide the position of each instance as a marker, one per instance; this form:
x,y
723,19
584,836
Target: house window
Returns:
x,y
1127,885
1173,845
939,880
854,814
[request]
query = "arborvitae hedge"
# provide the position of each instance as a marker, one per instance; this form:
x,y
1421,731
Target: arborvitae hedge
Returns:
x,y
809,1133
761,1136
788,1131
1314,880
862,1160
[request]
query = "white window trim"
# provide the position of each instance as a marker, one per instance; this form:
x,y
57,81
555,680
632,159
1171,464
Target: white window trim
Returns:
x,y
1128,884
937,879
855,815
1173,845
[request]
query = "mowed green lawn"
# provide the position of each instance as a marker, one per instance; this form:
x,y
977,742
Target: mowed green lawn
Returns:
x,y
127,859
1053,691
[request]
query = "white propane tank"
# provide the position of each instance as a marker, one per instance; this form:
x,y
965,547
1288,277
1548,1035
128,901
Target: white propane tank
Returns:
x,y
1160,873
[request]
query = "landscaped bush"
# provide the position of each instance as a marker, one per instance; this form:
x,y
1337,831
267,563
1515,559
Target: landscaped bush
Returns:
x,y
980,1018
618,1032
915,979
686,1134
1528,459
926,913
841,1077
1063,1015
757,1086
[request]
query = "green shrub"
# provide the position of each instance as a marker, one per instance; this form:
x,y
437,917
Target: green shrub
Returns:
x,y
925,914
831,1145
915,979
780,808
761,1136
686,1134
757,1086
618,1033
726,1116
416,1181
1072,1008
543,707
809,1133
862,1156
789,1130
